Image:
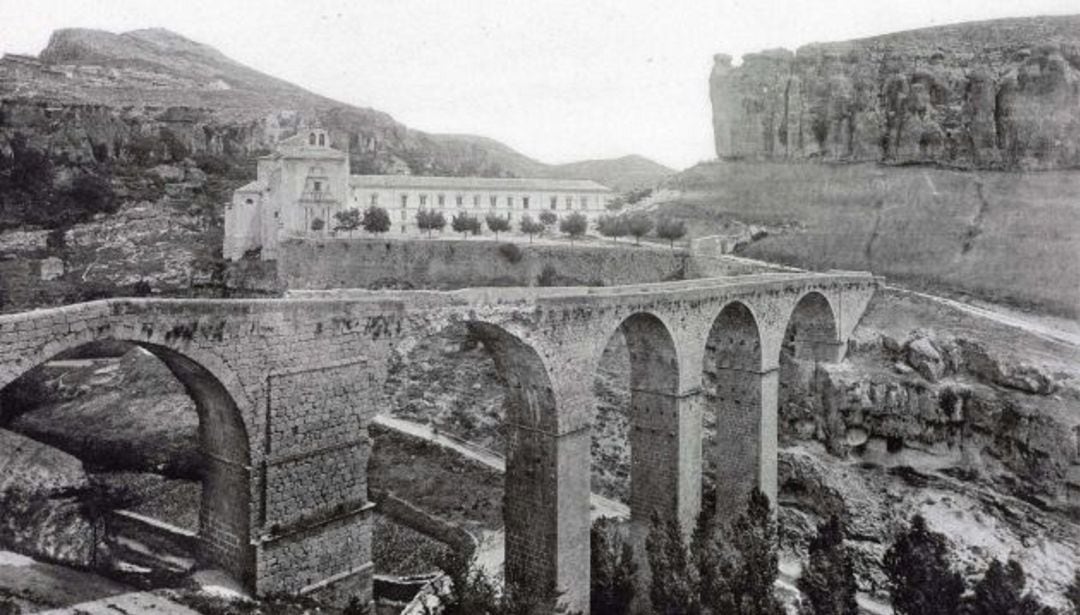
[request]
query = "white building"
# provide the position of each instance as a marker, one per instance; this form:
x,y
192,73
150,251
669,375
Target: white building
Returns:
x,y
307,180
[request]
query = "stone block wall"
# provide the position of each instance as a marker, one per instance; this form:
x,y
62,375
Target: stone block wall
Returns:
x,y
447,264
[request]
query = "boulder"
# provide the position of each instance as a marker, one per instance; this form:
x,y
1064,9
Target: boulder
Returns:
x,y
168,172
924,356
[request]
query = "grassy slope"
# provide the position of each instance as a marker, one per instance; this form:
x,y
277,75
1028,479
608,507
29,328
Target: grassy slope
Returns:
x,y
1002,236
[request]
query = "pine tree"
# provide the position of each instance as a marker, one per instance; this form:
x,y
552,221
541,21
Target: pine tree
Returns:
x,y
921,580
1001,592
754,538
674,588
828,581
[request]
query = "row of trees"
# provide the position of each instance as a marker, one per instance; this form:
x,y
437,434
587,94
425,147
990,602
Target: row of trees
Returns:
x,y
731,569
377,220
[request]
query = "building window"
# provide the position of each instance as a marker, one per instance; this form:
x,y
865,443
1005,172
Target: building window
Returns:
x,y
569,202
374,198
404,200
494,201
322,139
510,202
276,214
311,139
249,202
460,200
403,216
554,202
318,186
476,201
584,202
423,200
524,202
442,200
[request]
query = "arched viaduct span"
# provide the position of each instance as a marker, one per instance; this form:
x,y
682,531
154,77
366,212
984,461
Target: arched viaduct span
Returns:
x,y
285,390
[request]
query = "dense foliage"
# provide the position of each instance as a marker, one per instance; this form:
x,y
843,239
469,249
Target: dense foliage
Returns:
x,y
464,223
497,224
574,225
670,229
530,227
828,579
376,220
430,220
613,570
921,580
638,225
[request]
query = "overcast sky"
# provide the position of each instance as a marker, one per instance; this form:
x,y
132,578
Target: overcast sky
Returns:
x,y
559,80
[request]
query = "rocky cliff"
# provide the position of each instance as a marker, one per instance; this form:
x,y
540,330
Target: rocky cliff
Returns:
x,y
994,94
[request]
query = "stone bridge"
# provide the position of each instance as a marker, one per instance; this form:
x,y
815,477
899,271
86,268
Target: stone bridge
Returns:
x,y
286,388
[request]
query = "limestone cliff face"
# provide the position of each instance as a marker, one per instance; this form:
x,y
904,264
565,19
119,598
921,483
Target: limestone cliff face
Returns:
x,y
997,94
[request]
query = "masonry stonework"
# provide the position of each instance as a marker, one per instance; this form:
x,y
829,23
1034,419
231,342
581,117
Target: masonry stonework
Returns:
x,y
285,389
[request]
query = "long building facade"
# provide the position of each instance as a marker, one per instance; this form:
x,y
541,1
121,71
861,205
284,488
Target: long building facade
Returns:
x,y
305,182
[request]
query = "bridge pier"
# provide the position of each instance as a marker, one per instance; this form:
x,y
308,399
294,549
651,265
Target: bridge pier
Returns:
x,y
744,453
665,459
546,512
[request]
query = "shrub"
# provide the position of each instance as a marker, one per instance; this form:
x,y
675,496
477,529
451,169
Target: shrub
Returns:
x,y
1001,592
921,580
317,224
548,217
376,220
511,252
548,276
574,225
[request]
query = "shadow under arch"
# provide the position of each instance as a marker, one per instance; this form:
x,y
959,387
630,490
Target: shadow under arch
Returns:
x,y
533,478
737,396
225,506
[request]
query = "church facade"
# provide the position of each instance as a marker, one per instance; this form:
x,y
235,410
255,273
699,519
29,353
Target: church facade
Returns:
x,y
305,182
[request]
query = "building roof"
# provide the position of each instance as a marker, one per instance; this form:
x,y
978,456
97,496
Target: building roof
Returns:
x,y
256,186
465,184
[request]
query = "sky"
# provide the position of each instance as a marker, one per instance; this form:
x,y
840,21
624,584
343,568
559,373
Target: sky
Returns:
x,y
558,80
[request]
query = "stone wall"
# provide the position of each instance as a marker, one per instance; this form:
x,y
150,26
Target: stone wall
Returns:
x,y
446,264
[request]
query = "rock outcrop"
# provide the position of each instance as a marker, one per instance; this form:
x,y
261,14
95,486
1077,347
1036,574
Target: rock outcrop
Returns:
x,y
996,94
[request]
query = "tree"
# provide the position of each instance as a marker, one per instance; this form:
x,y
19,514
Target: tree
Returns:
x,y
612,226
376,220
348,220
548,217
753,536
1001,592
529,226
614,571
921,580
670,229
574,225
317,224
464,223
497,224
430,220
638,225
828,580
674,587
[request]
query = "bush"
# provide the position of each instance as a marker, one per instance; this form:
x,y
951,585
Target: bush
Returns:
x,y
347,220
612,226
548,276
548,217
511,252
464,223
1001,592
530,227
318,224
430,220
670,229
921,579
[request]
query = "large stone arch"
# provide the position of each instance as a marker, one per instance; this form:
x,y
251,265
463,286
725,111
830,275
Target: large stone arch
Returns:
x,y
545,498
740,392
225,511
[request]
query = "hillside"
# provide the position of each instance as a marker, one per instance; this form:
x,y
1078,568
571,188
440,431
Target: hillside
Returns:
x,y
90,93
1001,236
1001,94
623,174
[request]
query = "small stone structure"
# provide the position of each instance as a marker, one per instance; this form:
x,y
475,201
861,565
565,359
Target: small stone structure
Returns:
x,y
286,388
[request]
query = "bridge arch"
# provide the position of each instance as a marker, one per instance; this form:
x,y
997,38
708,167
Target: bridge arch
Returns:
x,y
737,396
812,331
225,508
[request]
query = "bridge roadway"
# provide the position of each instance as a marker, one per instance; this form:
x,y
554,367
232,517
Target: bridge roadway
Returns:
x,y
285,390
